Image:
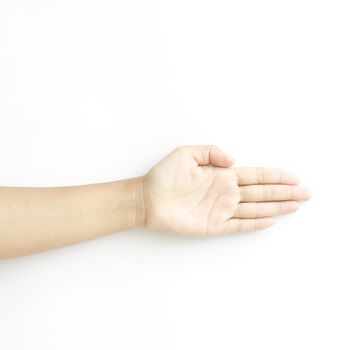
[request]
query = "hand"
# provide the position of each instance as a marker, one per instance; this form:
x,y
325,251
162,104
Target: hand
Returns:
x,y
196,191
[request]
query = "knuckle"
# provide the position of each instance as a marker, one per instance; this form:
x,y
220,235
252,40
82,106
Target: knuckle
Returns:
x,y
238,212
289,192
267,193
239,194
278,208
260,175
292,192
259,210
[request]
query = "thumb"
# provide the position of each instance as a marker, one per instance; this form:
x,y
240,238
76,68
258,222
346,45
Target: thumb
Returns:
x,y
211,155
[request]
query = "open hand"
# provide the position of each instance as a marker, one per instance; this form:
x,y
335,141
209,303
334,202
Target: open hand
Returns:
x,y
196,191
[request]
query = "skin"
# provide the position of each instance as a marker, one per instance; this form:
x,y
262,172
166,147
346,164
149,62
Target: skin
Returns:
x,y
194,191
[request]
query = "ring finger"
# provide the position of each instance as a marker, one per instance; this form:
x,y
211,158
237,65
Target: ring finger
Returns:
x,y
264,209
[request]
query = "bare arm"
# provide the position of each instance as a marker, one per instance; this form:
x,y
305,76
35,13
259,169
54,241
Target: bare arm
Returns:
x,y
194,191
37,219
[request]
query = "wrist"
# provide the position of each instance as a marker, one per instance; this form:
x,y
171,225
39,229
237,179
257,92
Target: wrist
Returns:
x,y
139,202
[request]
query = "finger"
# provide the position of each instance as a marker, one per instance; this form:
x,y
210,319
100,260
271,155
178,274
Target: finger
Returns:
x,y
244,225
252,176
261,210
268,193
209,155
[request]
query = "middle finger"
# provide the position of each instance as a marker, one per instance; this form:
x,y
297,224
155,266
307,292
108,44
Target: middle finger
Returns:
x,y
267,193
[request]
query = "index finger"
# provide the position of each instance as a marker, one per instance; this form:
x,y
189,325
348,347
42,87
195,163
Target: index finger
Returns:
x,y
252,176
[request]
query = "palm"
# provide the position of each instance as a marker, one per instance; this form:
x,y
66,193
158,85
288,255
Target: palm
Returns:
x,y
184,197
200,202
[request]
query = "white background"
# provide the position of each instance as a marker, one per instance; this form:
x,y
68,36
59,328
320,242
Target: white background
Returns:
x,y
92,91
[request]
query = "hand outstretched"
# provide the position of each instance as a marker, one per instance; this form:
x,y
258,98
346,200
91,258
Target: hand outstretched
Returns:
x,y
196,191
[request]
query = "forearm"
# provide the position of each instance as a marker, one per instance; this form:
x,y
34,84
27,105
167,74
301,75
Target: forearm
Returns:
x,y
37,219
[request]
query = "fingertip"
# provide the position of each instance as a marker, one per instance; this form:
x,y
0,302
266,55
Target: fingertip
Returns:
x,y
293,206
269,221
231,160
295,178
264,222
289,178
289,207
307,194
304,193
219,158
